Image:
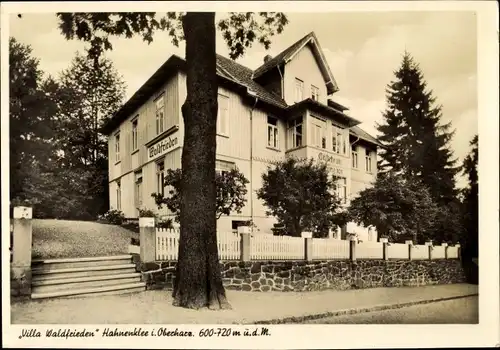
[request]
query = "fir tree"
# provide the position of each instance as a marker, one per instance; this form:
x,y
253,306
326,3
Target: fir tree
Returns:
x,y
418,144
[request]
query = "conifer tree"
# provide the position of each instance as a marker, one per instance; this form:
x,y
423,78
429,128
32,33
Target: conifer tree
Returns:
x,y
418,144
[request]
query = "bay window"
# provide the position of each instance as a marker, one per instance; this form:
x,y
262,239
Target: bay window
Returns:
x,y
295,133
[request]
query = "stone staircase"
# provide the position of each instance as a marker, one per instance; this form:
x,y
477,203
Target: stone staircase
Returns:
x,y
76,277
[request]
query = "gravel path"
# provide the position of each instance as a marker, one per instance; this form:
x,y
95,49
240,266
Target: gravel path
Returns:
x,y
63,239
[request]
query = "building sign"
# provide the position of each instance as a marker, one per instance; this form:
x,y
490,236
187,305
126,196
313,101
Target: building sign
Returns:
x,y
162,147
332,162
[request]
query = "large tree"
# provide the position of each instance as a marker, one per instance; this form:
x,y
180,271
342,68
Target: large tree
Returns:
x,y
198,281
31,127
91,91
301,195
417,144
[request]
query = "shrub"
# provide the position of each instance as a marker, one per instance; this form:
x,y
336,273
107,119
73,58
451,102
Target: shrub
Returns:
x,y
146,213
166,223
113,217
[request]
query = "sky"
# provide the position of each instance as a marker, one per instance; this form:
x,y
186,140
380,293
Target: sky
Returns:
x,y
363,50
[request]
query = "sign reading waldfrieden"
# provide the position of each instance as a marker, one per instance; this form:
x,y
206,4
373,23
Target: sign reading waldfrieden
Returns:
x,y
162,147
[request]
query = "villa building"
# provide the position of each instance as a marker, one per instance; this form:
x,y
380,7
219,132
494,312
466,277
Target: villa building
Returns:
x,y
283,108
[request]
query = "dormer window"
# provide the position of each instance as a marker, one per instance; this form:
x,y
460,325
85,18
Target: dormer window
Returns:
x,y
314,93
299,90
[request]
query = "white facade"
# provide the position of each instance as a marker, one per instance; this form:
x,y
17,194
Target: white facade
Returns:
x,y
251,136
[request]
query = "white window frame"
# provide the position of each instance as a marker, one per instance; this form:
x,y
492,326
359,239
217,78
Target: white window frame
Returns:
x,y
135,138
292,133
138,189
318,131
299,90
354,156
341,189
368,162
160,114
273,140
338,140
160,177
117,147
223,115
315,93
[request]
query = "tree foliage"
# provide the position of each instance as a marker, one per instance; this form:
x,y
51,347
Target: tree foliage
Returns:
x,y
31,127
471,203
301,195
231,192
399,209
239,29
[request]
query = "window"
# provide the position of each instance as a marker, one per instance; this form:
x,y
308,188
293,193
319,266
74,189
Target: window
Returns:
x,y
318,127
314,93
354,155
223,115
118,195
160,114
272,132
160,177
338,140
299,90
117,147
138,189
368,162
342,189
295,133
135,144
222,167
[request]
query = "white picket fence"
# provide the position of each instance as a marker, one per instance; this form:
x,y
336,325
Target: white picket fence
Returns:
x,y
453,252
325,248
369,250
420,251
269,247
398,251
438,252
167,245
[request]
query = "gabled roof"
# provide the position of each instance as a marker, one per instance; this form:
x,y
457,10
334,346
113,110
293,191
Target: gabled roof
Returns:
x,y
288,54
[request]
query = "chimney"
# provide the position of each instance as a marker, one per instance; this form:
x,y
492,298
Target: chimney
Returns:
x,y
267,58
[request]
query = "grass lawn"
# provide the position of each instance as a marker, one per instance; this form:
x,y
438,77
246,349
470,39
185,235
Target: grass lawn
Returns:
x,y
70,239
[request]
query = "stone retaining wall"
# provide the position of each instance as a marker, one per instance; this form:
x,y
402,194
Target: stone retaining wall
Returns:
x,y
285,276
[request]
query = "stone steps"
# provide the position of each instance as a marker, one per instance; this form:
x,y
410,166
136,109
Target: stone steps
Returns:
x,y
77,277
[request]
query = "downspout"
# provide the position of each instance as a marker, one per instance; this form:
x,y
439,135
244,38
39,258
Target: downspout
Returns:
x,y
251,93
282,83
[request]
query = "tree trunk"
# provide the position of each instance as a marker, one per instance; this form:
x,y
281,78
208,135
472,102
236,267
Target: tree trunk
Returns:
x,y
198,281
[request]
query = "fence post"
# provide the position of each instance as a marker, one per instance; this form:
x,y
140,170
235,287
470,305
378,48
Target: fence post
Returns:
x,y
21,251
353,240
429,247
147,239
385,247
244,232
307,245
410,248
445,245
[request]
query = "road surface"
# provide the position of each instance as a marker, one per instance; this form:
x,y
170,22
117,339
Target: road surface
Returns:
x,y
464,310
